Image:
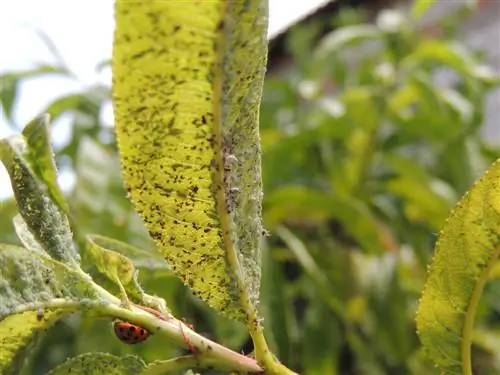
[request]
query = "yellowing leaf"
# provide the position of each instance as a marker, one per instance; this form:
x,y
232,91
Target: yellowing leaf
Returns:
x,y
187,81
467,249
30,280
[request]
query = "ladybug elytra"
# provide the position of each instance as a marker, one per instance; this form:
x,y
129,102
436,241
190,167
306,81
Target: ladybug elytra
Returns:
x,y
130,333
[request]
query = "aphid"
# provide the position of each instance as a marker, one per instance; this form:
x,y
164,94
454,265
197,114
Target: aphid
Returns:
x,y
130,333
39,314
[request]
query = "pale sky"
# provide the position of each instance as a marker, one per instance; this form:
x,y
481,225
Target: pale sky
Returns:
x,y
82,31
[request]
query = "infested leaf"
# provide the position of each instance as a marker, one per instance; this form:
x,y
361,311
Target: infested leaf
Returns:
x,y
46,222
40,155
100,363
186,107
30,282
467,249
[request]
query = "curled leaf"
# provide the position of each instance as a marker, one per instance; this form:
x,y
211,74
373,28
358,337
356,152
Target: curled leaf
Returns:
x,y
106,255
467,249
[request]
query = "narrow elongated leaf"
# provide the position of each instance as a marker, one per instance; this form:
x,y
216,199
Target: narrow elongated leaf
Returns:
x,y
467,249
100,363
30,282
40,156
46,222
187,81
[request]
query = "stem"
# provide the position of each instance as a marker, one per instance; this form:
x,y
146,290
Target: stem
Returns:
x,y
181,335
207,352
181,363
468,328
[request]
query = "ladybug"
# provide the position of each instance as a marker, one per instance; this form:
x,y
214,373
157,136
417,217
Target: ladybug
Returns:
x,y
130,333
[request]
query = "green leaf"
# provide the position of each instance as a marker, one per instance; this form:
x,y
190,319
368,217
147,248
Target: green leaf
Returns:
x,y
106,255
40,157
35,291
467,249
46,222
450,54
100,363
420,7
187,129
137,257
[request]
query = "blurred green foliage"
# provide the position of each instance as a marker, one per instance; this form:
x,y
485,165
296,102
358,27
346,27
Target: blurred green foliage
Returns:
x,y
365,153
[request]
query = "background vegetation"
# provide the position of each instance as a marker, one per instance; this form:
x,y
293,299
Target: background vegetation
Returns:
x,y
364,156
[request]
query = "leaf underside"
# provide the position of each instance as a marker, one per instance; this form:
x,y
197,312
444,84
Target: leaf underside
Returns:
x,y
186,94
468,247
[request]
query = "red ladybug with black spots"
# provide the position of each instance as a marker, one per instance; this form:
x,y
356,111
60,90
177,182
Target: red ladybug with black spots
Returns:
x,y
130,333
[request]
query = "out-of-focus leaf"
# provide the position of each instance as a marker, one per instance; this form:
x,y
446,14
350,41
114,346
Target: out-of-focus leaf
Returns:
x,y
467,249
99,203
87,103
277,309
341,38
10,82
8,209
187,120
322,333
419,8
294,203
29,283
421,203
100,363
361,142
446,54
40,156
46,222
